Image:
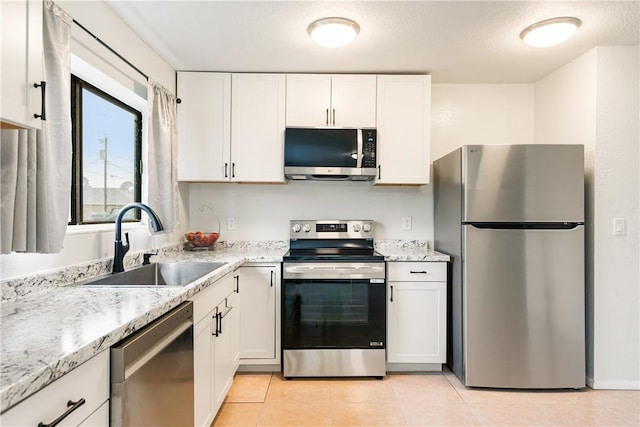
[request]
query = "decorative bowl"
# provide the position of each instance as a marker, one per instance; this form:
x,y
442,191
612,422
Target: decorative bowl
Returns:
x,y
201,239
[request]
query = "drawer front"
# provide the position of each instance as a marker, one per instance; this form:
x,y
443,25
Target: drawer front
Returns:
x,y
90,381
417,271
207,299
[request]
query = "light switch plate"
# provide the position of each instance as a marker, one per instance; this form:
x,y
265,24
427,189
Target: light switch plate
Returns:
x,y
619,227
231,223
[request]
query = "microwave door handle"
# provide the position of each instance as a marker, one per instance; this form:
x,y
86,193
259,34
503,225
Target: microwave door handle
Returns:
x,y
360,153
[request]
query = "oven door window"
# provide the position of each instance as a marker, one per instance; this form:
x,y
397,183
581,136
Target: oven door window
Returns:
x,y
333,314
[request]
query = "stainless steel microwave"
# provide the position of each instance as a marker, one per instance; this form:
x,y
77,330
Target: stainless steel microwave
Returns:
x,y
330,154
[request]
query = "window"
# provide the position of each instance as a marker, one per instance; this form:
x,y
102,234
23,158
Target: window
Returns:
x,y
107,141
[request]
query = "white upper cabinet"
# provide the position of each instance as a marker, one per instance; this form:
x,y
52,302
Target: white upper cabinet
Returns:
x,y
231,127
257,127
403,129
346,100
204,126
22,51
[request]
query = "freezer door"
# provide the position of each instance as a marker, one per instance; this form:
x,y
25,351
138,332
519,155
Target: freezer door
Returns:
x,y
523,308
523,183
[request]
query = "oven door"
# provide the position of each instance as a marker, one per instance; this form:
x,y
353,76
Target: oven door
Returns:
x,y
333,306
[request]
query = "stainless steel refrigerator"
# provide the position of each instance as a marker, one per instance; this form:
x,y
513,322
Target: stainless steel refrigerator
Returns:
x,y
512,218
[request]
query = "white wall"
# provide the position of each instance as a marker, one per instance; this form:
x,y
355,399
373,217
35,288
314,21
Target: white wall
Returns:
x,y
464,114
461,114
87,243
617,283
594,101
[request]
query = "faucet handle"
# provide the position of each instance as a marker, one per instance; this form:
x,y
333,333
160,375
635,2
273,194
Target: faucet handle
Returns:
x,y
125,246
147,257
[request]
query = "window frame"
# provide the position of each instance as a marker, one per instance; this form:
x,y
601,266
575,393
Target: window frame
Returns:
x,y
78,84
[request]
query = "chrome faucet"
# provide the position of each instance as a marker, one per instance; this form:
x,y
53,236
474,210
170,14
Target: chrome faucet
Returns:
x,y
120,248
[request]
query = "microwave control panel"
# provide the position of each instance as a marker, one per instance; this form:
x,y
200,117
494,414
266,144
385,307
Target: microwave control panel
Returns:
x,y
368,148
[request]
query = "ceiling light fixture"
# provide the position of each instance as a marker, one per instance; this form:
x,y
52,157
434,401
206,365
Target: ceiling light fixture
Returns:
x,y
333,32
550,32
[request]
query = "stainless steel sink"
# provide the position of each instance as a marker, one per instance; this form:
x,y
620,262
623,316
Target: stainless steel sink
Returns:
x,y
157,274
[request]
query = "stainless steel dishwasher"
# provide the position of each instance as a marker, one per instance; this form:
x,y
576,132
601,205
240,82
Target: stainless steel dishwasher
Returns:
x,y
152,373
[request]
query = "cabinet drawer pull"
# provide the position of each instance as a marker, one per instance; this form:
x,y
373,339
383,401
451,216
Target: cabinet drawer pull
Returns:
x,y
72,407
418,272
391,293
43,113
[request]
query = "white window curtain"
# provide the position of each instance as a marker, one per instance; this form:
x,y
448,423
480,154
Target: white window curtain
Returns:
x,y
162,137
36,165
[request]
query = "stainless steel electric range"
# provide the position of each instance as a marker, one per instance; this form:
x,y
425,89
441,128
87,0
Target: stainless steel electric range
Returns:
x,y
333,301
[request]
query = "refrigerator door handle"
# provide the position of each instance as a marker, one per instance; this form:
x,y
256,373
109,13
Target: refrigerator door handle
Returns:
x,y
525,225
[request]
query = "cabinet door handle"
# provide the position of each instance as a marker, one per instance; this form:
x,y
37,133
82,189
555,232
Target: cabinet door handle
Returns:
x,y
271,281
334,116
391,293
72,407
216,326
379,173
326,119
417,272
226,168
233,170
237,284
43,112
219,324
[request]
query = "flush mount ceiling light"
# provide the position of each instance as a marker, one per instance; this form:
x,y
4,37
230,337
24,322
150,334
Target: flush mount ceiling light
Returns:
x,y
550,32
333,32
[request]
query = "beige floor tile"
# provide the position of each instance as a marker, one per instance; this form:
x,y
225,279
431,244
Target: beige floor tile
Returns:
x,y
492,396
299,391
295,414
430,414
571,414
238,414
365,391
510,414
366,414
249,388
426,390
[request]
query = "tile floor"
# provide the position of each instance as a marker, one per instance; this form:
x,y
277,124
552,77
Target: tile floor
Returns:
x,y
434,399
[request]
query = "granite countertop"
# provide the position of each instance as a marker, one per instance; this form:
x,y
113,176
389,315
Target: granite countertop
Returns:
x,y
49,325
47,334
409,250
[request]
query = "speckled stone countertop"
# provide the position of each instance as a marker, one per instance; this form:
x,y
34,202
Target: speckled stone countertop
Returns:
x,y
49,325
47,333
409,250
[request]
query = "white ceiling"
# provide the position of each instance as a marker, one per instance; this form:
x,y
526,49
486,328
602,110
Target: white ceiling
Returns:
x,y
454,41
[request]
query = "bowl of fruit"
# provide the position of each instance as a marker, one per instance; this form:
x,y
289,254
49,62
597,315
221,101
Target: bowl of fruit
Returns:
x,y
201,239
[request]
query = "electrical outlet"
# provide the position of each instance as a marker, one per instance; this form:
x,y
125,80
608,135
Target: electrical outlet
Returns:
x,y
231,223
406,223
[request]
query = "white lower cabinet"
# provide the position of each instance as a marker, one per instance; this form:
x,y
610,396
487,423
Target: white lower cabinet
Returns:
x,y
259,324
89,382
216,319
416,312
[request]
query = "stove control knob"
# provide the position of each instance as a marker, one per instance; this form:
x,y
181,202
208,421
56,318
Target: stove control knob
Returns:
x,y
356,228
366,228
295,228
306,228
